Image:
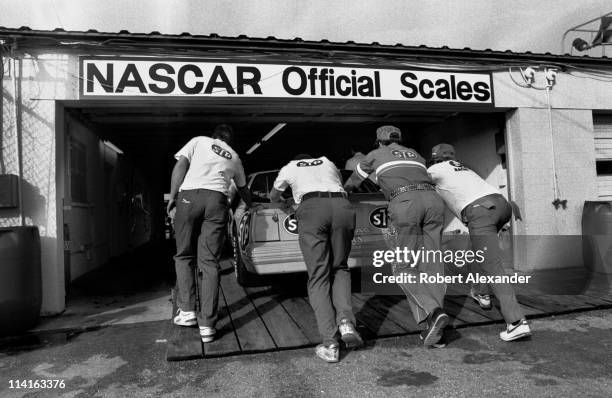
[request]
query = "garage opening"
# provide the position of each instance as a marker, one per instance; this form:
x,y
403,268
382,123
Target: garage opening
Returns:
x,y
119,159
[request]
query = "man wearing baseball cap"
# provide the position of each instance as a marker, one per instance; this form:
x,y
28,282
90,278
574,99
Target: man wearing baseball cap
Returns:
x,y
485,211
416,218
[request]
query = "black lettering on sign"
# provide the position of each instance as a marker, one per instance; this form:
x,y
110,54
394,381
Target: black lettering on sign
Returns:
x,y
290,224
304,163
219,80
379,217
159,78
252,81
221,152
197,87
403,154
458,166
131,78
414,91
105,81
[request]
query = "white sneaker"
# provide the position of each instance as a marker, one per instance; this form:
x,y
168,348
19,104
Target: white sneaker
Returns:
x,y
349,335
516,332
330,353
185,318
483,300
207,334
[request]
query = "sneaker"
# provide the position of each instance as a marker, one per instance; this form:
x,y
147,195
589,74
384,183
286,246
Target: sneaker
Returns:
x,y
483,300
436,322
207,334
514,332
349,335
185,318
330,353
439,344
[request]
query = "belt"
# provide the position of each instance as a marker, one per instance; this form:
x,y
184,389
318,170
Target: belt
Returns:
x,y
411,187
318,194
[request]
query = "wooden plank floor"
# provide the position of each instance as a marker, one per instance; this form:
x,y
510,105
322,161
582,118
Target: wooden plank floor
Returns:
x,y
273,318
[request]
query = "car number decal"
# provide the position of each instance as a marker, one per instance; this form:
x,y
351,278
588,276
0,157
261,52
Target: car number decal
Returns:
x,y
290,224
379,217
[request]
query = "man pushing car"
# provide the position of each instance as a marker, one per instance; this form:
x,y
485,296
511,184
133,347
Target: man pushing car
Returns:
x,y
199,188
416,217
326,225
485,211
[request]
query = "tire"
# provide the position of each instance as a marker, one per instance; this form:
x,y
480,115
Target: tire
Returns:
x,y
244,277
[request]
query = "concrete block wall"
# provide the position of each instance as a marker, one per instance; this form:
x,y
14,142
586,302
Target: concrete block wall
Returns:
x,y
549,237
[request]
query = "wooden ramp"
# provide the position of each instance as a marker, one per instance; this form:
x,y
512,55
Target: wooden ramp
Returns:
x,y
279,317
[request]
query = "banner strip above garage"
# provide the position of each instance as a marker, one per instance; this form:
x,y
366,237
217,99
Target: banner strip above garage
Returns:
x,y
102,77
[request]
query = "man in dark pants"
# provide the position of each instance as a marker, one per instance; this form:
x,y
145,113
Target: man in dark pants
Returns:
x,y
199,191
416,218
485,211
326,225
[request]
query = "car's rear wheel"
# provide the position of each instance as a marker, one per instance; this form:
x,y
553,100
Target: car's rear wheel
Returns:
x,y
243,276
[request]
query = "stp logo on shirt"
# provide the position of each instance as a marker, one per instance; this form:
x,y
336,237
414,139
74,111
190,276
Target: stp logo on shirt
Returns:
x,y
291,224
303,163
378,217
403,154
221,152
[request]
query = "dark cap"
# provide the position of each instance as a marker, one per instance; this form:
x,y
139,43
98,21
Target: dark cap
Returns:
x,y
443,151
387,133
302,156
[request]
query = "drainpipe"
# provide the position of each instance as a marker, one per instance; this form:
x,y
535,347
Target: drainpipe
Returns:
x,y
18,130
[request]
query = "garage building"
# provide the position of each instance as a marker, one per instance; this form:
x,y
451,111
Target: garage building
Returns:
x,y
90,122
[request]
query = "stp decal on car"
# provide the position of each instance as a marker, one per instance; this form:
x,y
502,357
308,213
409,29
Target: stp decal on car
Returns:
x,y
221,152
244,229
290,224
378,217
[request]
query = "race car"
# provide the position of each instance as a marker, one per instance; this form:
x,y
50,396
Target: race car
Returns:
x,y
265,237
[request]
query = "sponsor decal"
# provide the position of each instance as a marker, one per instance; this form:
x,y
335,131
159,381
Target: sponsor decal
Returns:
x,y
379,217
244,229
290,224
403,154
303,163
106,77
221,152
458,166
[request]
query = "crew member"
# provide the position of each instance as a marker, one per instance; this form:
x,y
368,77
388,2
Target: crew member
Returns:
x,y
326,225
199,189
416,218
356,157
485,211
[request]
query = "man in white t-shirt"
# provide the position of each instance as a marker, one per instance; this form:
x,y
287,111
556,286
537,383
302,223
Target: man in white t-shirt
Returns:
x,y
326,225
199,188
485,211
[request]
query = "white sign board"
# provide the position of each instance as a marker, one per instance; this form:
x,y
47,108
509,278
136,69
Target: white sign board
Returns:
x,y
148,77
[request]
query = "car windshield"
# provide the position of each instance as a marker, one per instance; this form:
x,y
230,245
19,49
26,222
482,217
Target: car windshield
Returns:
x,y
262,184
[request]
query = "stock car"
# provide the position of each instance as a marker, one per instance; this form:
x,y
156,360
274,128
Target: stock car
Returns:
x,y
265,237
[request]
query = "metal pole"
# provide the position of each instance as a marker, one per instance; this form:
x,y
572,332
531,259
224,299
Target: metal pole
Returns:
x,y
18,138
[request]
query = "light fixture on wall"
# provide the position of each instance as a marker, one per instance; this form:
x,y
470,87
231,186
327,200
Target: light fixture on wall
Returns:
x,y
113,147
528,75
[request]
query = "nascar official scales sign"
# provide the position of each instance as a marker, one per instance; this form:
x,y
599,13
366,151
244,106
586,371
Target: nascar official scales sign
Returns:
x,y
102,77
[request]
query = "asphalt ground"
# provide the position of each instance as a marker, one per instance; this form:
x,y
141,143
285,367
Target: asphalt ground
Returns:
x,y
567,356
